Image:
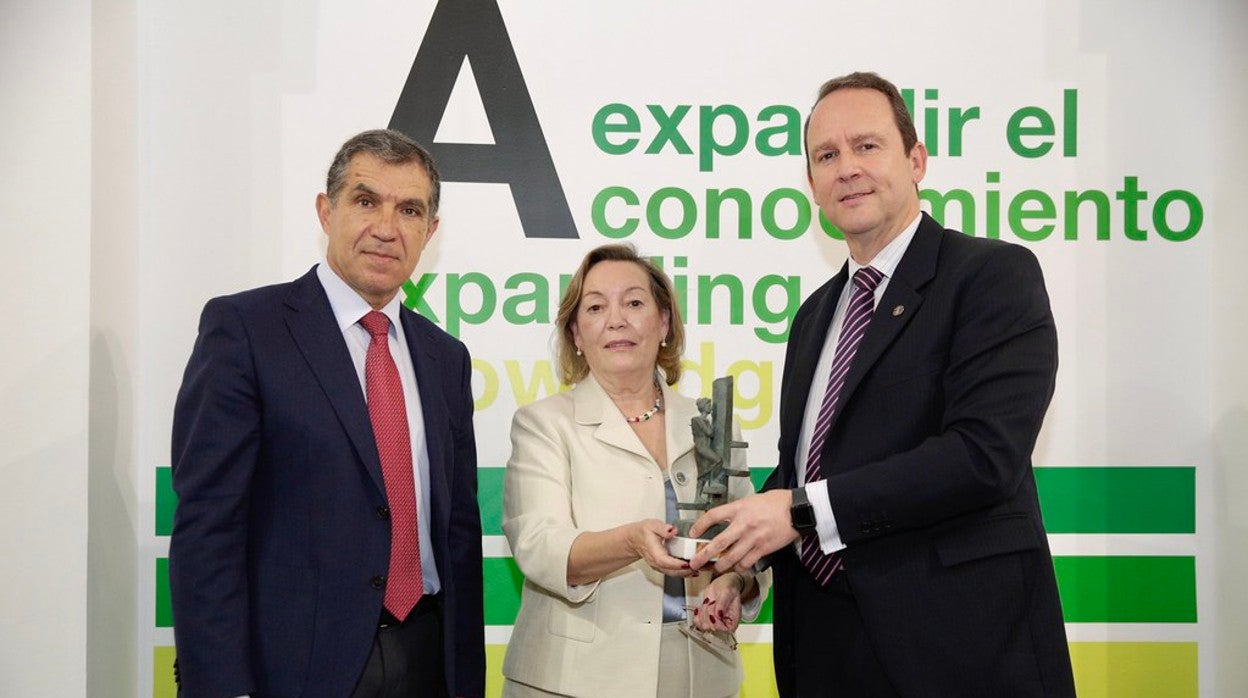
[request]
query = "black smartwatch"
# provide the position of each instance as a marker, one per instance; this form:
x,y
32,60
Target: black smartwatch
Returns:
x,y
801,512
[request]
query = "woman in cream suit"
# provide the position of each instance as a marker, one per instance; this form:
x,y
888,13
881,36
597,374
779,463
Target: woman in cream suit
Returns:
x,y
590,499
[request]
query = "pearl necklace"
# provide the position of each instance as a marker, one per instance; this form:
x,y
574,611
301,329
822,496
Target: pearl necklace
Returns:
x,y
645,416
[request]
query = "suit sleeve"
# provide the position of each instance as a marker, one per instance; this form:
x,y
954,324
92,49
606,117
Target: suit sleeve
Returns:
x,y
537,506
465,539
216,441
995,386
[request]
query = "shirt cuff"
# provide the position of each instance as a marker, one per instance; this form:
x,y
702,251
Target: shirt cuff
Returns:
x,y
825,521
750,609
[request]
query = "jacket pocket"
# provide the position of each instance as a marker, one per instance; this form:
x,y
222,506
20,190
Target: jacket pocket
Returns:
x,y
995,536
574,621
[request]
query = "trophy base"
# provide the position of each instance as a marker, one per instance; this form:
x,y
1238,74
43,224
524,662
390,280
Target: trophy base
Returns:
x,y
685,548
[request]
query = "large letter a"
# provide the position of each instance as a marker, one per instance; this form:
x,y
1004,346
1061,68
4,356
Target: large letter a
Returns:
x,y
474,29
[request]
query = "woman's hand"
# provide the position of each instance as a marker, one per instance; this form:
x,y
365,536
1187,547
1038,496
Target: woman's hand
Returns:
x,y
595,554
646,539
721,604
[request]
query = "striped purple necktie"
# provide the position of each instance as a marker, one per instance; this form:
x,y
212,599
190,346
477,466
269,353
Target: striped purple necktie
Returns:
x,y
857,317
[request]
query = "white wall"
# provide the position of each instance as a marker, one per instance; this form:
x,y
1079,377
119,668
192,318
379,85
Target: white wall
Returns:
x,y
45,217
1230,345
117,482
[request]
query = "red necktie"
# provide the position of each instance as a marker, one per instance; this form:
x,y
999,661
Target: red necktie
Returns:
x,y
857,317
386,409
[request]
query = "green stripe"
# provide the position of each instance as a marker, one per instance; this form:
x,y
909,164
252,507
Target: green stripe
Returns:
x,y
164,608
1073,499
1127,589
502,590
503,581
502,593
489,495
1110,589
1118,500
1104,589
490,498
1094,589
166,501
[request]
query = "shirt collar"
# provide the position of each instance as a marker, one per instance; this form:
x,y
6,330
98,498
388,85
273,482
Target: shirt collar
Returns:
x,y
887,259
349,306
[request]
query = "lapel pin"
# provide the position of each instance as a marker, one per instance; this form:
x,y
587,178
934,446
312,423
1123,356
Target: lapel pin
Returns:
x,y
898,310
680,478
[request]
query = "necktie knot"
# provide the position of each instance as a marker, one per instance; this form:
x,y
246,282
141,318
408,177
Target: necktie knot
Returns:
x,y
867,278
376,323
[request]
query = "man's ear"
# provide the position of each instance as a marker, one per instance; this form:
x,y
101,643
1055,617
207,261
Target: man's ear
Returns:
x,y
323,207
918,162
433,228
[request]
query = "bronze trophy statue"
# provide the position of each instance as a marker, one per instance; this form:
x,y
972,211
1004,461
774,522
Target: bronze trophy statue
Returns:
x,y
712,444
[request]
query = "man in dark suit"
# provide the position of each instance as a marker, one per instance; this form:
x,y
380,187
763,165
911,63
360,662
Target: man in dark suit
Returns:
x,y
902,518
327,540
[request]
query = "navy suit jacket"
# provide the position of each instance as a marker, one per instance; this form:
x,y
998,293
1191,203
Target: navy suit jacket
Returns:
x,y
281,538
928,463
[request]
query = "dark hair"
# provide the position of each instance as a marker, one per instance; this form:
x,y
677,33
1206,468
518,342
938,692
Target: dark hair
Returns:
x,y
573,368
391,147
867,81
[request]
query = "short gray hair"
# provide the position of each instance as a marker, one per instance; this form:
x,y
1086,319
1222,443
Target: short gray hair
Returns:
x,y
391,147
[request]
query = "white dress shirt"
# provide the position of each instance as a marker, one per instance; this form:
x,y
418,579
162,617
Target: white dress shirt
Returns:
x,y
886,263
348,309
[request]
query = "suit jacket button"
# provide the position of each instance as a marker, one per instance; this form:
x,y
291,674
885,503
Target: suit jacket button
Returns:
x,y
379,582
383,513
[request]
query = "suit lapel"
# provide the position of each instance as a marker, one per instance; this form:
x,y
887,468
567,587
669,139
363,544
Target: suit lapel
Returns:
x,y
434,410
916,268
315,331
805,358
810,346
593,407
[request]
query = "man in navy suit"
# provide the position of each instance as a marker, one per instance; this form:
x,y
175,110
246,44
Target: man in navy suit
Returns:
x,y
902,519
294,524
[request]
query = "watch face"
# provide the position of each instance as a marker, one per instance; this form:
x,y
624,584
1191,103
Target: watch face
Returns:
x,y
803,516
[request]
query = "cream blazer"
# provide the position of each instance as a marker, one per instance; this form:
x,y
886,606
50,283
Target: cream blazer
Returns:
x,y
576,465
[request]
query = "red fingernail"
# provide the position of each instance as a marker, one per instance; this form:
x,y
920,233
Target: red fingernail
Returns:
x,y
712,602
685,566
696,610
